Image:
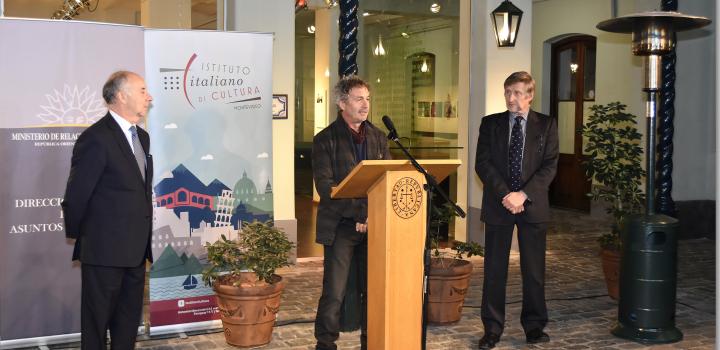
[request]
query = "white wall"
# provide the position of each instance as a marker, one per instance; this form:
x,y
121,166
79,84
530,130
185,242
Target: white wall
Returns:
x,y
277,17
618,73
305,68
619,77
695,159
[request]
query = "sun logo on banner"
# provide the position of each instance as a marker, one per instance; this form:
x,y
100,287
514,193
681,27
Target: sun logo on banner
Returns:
x,y
72,107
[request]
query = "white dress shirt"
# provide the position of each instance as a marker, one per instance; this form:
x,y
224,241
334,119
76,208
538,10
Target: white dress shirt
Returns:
x,y
125,127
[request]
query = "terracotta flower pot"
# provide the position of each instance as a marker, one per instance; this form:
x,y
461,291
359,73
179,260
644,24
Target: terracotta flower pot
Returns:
x,y
611,268
448,282
248,311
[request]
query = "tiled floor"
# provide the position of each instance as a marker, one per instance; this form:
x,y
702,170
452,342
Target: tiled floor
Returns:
x,y
581,313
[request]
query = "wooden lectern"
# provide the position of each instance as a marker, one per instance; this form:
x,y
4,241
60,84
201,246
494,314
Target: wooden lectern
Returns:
x,y
397,209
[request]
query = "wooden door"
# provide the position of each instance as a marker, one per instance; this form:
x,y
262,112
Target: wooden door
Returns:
x,y
572,93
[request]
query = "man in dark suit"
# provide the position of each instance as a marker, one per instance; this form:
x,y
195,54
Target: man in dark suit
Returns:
x,y
342,223
517,154
108,211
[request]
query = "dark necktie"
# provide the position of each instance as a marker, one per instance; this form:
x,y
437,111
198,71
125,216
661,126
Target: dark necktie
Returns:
x,y
138,150
515,155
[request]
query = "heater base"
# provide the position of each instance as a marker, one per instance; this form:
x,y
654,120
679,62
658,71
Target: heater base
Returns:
x,y
648,336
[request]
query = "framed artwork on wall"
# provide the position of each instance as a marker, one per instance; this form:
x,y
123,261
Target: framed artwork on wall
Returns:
x,y
280,106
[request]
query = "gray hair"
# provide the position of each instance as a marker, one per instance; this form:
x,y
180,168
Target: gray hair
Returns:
x,y
521,77
114,84
347,83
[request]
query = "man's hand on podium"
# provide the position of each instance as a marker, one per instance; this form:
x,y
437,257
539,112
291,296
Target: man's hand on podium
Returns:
x,y
360,227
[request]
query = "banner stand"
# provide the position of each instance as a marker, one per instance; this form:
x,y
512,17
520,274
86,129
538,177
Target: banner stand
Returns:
x,y
40,341
185,327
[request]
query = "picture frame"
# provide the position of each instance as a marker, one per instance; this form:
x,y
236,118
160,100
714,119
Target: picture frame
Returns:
x,y
280,106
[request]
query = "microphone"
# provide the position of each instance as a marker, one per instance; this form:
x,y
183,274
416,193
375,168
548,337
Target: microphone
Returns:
x,y
392,135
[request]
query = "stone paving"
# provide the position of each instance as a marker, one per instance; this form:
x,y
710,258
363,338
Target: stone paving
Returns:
x,y
581,313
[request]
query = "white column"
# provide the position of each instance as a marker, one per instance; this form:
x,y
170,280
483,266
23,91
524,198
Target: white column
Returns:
x,y
326,69
326,65
464,83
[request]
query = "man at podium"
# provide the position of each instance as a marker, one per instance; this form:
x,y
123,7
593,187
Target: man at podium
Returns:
x,y
342,223
517,155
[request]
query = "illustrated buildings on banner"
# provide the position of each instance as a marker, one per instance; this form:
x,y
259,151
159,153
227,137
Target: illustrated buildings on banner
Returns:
x,y
188,214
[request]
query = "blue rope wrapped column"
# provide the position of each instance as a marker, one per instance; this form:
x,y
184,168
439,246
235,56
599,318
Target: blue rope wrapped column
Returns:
x,y
348,44
666,128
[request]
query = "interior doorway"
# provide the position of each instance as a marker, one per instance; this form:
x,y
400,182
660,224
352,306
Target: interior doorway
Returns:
x,y
572,93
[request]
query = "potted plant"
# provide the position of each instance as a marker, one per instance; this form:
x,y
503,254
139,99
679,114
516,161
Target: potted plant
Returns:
x,y
614,165
449,275
242,274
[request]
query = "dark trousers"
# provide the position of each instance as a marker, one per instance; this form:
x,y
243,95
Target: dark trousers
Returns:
x,y
498,240
112,298
348,245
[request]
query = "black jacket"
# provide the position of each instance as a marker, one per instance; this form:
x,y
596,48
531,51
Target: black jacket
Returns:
x,y
107,206
333,157
539,163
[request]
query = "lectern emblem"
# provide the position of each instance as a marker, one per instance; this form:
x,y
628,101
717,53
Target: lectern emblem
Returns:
x,y
406,197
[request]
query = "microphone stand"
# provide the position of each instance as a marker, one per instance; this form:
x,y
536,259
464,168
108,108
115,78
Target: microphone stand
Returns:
x,y
430,186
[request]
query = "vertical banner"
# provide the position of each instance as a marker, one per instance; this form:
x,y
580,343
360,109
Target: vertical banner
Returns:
x,y
211,131
52,76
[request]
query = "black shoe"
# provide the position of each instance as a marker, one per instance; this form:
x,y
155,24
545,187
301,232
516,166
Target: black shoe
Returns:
x,y
321,346
488,341
536,336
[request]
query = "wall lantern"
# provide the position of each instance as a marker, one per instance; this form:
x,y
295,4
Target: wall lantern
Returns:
x,y
506,22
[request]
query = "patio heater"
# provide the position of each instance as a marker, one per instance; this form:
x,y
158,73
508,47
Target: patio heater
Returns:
x,y
648,268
